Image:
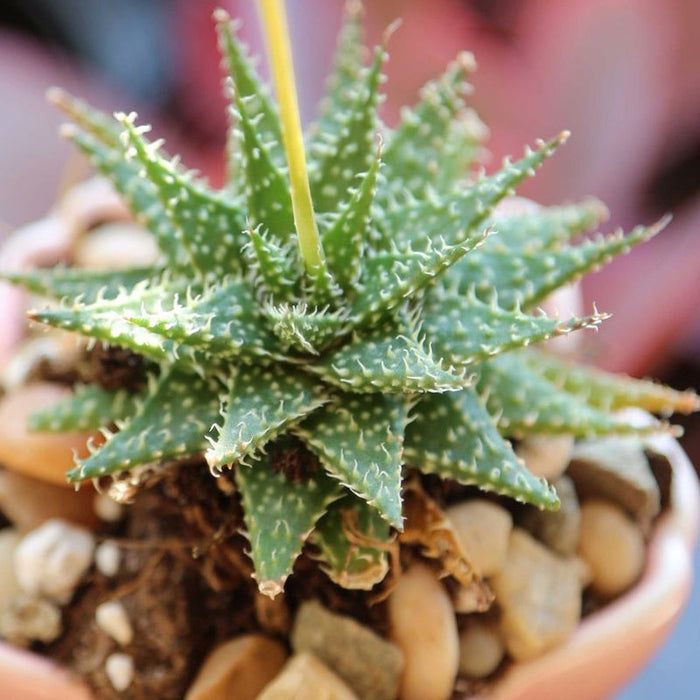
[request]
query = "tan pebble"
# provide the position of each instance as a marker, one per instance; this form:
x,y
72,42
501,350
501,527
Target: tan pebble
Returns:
x,y
304,676
52,559
29,502
29,619
116,246
108,557
9,586
540,597
239,668
546,456
46,456
107,509
368,663
423,626
481,648
483,529
612,545
120,671
112,618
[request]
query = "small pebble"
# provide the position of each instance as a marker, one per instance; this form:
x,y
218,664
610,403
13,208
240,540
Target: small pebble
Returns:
x,y
28,619
112,618
305,676
29,502
9,586
613,547
483,529
481,648
239,668
116,245
540,597
108,557
423,626
107,509
52,559
546,456
558,529
120,671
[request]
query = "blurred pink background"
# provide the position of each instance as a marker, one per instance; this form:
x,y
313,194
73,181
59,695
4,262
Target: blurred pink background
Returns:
x,y
622,75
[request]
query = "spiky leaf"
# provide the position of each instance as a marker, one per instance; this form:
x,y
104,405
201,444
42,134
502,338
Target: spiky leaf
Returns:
x,y
454,436
279,515
360,442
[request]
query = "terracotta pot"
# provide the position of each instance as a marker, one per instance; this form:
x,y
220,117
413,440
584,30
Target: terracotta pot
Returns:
x,y
608,649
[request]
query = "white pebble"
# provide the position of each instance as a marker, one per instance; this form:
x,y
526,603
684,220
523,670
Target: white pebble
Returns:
x,y
52,559
112,618
9,587
107,508
423,626
546,456
481,649
108,557
120,671
483,529
612,545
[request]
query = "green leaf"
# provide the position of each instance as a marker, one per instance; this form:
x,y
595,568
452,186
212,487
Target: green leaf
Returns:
x,y
224,321
305,329
454,436
173,421
359,440
89,286
205,224
525,277
279,515
347,147
464,329
353,539
415,223
525,403
99,139
437,140
387,361
610,392
276,267
253,90
344,240
262,403
88,408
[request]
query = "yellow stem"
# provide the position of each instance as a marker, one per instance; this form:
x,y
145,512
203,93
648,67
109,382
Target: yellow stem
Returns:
x,y
274,21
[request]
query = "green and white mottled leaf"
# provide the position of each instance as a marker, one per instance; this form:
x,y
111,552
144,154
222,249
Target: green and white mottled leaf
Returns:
x,y
348,147
173,421
438,139
525,403
464,329
343,242
262,403
359,440
353,539
607,391
276,267
208,226
89,407
387,361
279,515
89,286
454,436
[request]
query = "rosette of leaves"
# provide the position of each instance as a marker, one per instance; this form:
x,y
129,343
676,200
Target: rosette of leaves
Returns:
x,y
405,343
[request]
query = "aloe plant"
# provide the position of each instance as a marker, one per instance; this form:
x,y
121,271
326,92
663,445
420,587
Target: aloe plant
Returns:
x,y
370,304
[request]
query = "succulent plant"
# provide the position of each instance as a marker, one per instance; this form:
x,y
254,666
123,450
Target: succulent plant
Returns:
x,y
386,324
